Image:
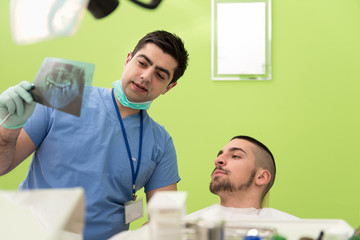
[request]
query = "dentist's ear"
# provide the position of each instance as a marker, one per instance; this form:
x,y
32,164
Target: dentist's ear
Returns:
x,y
128,58
171,85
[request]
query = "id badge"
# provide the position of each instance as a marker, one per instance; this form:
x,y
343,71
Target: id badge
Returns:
x,y
133,210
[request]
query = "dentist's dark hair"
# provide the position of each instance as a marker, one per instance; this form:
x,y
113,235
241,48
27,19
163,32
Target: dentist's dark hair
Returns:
x,y
170,44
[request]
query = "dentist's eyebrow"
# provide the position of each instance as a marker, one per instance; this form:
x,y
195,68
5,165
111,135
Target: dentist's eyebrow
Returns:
x,y
157,67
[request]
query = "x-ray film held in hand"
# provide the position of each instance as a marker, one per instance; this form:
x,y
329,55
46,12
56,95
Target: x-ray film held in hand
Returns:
x,y
62,84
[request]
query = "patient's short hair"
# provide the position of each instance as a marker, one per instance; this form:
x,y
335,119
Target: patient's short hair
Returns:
x,y
265,162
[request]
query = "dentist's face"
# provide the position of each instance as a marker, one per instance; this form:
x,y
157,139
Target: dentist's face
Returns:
x,y
148,74
61,85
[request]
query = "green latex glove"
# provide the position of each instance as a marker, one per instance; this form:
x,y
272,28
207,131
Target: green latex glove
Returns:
x,y
17,101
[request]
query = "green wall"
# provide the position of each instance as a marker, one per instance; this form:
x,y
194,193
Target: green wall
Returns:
x,y
307,114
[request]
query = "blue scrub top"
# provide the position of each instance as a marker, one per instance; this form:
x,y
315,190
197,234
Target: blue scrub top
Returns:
x,y
90,152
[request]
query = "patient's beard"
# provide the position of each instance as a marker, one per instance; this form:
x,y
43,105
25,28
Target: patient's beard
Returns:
x,y
217,185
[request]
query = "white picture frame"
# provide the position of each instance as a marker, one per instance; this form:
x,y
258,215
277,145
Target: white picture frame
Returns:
x,y
241,40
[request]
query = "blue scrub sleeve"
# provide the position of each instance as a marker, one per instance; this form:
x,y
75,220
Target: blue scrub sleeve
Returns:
x,y
166,171
37,125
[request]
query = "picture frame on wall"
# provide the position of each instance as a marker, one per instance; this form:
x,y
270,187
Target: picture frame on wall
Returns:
x,y
241,40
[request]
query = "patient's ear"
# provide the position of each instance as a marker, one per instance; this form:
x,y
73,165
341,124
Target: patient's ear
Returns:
x,y
262,177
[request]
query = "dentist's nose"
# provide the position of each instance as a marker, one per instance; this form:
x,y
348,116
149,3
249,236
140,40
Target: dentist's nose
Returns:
x,y
146,75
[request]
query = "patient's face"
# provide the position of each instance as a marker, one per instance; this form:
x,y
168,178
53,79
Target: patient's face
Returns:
x,y
60,85
234,167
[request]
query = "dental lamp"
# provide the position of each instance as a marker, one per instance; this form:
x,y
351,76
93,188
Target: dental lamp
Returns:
x,y
102,8
38,20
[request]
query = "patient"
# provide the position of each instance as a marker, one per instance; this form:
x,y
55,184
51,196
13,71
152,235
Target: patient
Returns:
x,y
244,172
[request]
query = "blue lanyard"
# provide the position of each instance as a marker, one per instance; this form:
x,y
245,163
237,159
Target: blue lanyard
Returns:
x,y
134,174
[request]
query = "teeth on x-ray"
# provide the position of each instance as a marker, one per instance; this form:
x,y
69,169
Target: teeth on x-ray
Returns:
x,y
60,84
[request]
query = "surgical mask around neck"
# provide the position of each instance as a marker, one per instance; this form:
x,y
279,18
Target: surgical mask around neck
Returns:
x,y
119,92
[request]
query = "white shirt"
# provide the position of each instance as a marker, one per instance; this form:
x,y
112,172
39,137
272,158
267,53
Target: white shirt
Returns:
x,y
218,212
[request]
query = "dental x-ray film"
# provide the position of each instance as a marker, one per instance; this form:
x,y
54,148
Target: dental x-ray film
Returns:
x,y
63,84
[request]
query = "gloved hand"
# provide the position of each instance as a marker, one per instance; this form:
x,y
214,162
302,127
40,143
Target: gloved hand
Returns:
x,y
17,101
